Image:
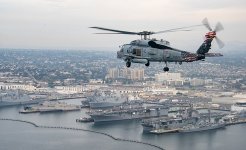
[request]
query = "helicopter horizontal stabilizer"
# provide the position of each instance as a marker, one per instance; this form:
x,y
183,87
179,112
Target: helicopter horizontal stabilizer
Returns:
x,y
213,55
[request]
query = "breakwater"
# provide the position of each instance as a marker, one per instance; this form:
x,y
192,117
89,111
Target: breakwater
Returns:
x,y
85,130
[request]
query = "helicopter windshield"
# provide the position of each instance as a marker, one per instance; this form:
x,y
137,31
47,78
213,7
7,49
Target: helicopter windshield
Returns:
x,y
122,48
134,42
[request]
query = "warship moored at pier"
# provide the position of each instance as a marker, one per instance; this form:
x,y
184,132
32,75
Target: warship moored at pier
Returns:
x,y
129,113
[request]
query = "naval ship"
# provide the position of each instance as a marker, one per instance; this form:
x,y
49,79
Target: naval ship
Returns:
x,y
50,106
188,120
16,97
104,99
202,127
171,123
130,113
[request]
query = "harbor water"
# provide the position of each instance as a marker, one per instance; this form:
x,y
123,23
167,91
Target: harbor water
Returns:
x,y
22,136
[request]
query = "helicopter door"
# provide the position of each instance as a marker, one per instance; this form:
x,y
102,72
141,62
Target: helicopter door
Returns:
x,y
137,52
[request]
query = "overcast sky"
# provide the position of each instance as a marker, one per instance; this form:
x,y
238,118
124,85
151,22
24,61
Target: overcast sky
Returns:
x,y
63,24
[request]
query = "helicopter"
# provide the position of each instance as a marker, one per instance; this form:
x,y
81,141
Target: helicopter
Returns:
x,y
146,50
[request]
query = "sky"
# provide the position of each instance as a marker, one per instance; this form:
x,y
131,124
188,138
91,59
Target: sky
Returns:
x,y
64,24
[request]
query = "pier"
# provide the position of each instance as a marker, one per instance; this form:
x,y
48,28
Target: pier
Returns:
x,y
85,130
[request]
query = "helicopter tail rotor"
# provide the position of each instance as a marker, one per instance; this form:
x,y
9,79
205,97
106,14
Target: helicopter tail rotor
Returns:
x,y
206,24
212,33
218,27
219,42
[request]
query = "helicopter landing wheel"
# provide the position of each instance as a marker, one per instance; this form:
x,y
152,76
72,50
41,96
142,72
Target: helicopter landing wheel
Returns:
x,y
128,64
165,69
147,64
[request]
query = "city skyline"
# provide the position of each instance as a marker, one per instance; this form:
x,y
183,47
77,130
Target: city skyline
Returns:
x,y
43,87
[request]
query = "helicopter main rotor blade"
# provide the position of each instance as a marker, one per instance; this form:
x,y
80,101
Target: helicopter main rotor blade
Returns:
x,y
218,27
113,30
177,29
144,32
206,24
111,33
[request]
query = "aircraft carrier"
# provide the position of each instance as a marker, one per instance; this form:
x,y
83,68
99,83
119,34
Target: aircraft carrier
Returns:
x,y
189,120
171,123
138,112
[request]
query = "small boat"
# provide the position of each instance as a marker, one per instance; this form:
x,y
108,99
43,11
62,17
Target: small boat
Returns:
x,y
84,119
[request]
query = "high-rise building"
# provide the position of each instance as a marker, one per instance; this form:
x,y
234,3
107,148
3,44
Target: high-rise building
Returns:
x,y
126,73
197,82
113,73
169,78
137,74
133,74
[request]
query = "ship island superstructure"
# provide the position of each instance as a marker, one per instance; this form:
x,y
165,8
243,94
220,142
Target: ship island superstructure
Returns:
x,y
104,99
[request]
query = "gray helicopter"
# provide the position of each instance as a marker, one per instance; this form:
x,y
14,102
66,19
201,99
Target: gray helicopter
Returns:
x,y
148,50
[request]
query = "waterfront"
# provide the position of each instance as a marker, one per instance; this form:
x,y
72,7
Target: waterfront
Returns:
x,y
28,137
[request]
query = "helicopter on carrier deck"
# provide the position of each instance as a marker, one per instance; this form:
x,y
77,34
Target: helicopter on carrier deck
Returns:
x,y
148,50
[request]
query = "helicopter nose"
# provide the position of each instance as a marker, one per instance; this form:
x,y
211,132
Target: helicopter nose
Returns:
x,y
119,54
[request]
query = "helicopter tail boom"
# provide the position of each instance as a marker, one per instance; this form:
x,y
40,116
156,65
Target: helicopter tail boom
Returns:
x,y
206,46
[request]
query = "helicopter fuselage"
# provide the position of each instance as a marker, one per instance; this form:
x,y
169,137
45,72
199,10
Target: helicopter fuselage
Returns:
x,y
141,51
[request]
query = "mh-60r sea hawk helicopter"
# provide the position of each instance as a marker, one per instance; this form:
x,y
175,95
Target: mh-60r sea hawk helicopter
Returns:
x,y
148,50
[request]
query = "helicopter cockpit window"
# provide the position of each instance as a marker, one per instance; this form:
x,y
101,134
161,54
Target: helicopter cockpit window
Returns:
x,y
134,42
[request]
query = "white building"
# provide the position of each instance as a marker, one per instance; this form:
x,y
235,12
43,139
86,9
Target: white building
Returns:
x,y
127,73
13,86
113,73
197,82
169,78
161,90
69,89
96,81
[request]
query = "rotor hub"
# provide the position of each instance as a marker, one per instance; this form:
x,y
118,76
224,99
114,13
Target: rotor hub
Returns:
x,y
211,34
